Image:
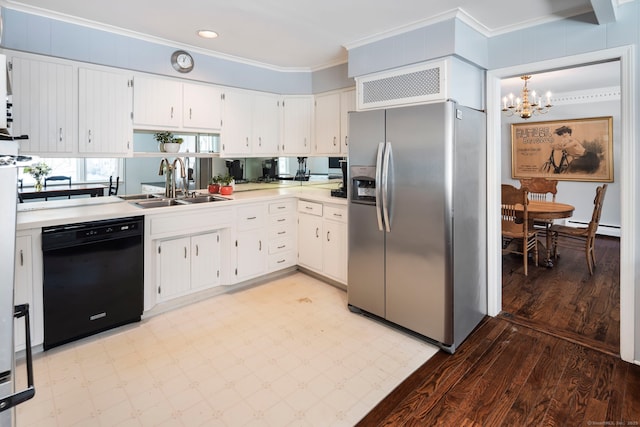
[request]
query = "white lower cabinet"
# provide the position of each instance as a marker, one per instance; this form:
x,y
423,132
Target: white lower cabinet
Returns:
x,y
282,235
28,272
322,242
334,242
187,264
23,287
251,242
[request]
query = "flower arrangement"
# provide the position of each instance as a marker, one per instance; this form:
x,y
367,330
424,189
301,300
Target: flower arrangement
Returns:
x,y
38,171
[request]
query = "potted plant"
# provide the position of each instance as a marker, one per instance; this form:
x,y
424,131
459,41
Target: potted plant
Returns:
x,y
225,185
168,143
38,171
214,184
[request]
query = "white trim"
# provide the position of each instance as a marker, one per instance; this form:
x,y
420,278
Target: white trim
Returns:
x,y
628,187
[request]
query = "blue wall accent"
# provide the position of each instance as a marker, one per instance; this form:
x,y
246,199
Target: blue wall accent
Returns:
x,y
45,36
332,78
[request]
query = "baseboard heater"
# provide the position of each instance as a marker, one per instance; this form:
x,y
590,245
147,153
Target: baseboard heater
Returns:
x,y
603,229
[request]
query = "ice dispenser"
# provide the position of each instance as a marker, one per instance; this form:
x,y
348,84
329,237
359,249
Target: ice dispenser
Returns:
x,y
363,184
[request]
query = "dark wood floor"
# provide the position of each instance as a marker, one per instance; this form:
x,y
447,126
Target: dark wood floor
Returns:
x,y
550,360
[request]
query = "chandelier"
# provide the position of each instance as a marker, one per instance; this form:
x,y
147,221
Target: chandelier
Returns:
x,y
528,104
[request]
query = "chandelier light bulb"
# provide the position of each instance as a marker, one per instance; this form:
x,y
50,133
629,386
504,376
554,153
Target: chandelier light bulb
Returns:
x,y
527,104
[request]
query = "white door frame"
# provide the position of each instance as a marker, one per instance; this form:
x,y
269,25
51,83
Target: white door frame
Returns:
x,y
628,223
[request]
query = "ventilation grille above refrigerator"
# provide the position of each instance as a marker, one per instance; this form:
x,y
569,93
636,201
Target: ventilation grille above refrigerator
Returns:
x,y
402,86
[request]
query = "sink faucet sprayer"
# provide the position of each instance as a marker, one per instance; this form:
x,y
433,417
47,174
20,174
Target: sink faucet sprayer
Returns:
x,y
167,170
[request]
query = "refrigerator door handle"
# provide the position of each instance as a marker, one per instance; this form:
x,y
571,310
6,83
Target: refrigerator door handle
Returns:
x,y
386,196
12,400
379,185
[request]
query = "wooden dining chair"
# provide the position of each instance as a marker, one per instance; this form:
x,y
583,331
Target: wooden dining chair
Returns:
x,y
581,238
544,190
113,189
56,178
517,236
540,188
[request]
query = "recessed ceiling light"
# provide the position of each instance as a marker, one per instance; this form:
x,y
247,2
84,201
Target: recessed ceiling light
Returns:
x,y
207,34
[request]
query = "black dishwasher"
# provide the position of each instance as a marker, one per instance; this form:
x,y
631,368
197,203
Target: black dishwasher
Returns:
x,y
93,277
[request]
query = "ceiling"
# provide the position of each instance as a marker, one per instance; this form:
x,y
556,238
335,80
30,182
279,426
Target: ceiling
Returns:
x,y
591,76
293,34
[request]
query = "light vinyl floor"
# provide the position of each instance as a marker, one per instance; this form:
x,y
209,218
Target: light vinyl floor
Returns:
x,y
284,353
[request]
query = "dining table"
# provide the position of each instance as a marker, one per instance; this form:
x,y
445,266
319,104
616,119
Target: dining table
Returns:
x,y
547,210
93,190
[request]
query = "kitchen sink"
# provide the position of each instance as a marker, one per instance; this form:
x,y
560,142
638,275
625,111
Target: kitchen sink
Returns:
x,y
156,201
128,197
201,199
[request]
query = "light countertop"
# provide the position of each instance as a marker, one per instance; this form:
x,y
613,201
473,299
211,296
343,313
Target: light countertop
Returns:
x,y
56,212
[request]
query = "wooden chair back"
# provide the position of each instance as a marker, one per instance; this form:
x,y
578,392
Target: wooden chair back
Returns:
x,y
540,188
515,225
514,220
113,189
598,201
57,178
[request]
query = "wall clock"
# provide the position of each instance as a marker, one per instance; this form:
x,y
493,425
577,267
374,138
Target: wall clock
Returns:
x,y
182,61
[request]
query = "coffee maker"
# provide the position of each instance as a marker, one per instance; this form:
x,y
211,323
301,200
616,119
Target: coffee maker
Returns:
x,y
342,191
235,170
270,169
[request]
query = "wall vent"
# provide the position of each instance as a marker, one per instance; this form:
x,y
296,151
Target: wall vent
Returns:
x,y
403,86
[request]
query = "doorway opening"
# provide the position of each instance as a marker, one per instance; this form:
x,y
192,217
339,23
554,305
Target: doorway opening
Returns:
x,y
626,179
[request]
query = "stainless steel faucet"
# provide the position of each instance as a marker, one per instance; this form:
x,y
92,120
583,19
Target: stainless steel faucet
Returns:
x,y
168,170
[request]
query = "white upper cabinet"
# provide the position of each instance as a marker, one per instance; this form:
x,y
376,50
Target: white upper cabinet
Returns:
x,y
266,124
327,124
296,128
44,107
157,103
105,103
347,103
251,124
173,105
235,138
202,107
332,122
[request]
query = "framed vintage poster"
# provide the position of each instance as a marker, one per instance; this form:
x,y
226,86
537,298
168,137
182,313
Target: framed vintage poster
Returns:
x,y
571,150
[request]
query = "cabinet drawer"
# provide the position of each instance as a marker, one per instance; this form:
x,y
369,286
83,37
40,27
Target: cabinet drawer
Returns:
x,y
281,245
251,217
311,208
281,231
281,207
335,213
281,220
282,260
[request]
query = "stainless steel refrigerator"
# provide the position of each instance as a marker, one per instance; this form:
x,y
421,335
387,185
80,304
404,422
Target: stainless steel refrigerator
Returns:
x,y
417,245
9,161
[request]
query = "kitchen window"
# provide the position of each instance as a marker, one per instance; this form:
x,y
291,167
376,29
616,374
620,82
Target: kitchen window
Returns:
x,y
81,169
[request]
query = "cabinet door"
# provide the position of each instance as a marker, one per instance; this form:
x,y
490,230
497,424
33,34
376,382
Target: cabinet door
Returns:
x,y
205,260
310,241
266,124
104,112
347,103
296,137
251,254
174,267
157,103
44,100
23,289
327,124
335,250
236,125
202,107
